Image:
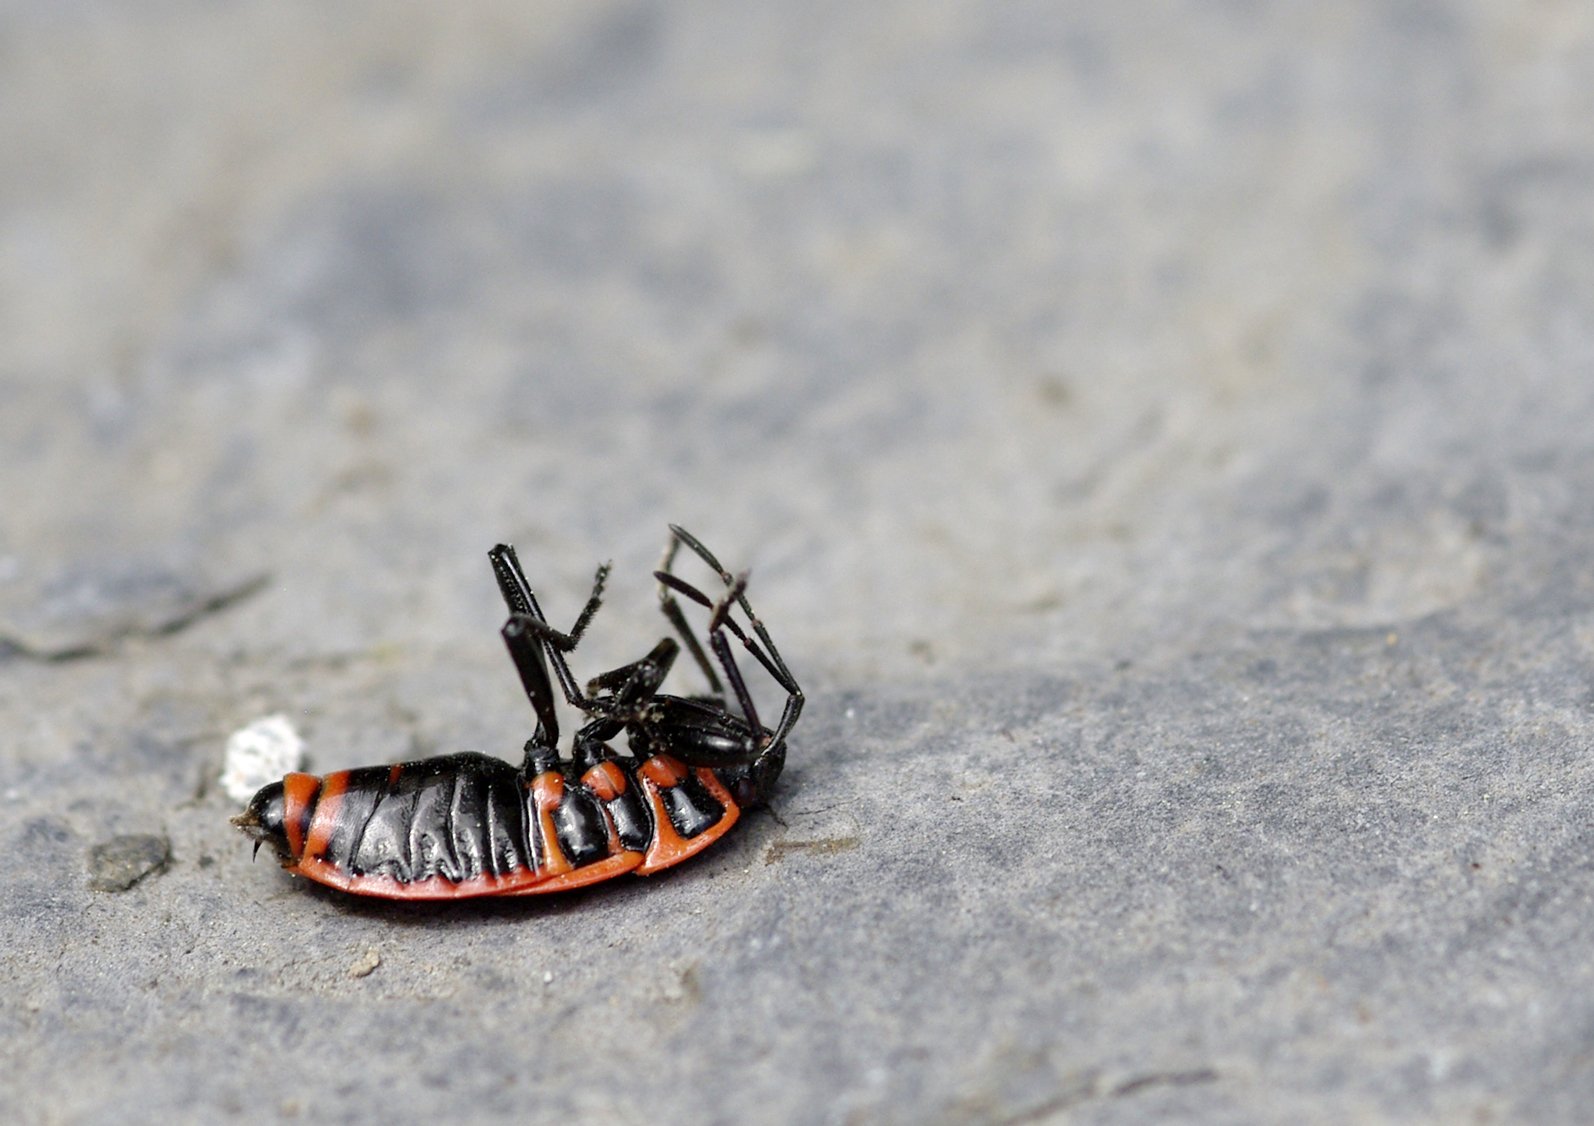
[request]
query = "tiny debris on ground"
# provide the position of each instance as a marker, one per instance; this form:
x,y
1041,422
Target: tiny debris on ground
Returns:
x,y
366,963
777,851
259,754
119,863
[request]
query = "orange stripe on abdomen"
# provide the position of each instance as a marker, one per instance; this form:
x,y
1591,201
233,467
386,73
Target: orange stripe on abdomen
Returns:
x,y
324,820
606,780
668,847
547,791
298,797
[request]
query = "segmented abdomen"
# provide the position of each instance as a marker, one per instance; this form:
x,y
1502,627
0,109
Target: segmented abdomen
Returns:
x,y
468,825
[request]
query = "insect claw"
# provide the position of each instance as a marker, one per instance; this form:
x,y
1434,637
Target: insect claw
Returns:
x,y
257,850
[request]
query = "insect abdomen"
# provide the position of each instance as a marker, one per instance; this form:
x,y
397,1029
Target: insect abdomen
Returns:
x,y
469,825
460,820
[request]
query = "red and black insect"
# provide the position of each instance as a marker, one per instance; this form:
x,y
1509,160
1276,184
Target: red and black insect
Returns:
x,y
470,825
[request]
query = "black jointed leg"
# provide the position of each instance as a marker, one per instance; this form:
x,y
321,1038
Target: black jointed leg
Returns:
x,y
527,653
672,610
522,602
717,624
775,666
768,656
722,650
524,610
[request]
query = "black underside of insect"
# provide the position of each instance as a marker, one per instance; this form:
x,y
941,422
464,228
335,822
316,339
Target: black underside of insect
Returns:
x,y
470,825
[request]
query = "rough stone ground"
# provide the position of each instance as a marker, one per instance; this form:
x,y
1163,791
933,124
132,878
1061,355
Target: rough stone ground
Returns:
x,y
1161,433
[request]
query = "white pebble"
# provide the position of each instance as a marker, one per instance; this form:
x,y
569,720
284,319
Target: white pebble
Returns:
x,y
260,753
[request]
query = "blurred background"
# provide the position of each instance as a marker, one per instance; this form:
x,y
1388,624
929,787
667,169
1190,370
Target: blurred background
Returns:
x,y
977,315
1137,378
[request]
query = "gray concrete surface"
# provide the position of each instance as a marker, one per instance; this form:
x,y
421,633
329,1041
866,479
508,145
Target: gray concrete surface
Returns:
x,y
1160,433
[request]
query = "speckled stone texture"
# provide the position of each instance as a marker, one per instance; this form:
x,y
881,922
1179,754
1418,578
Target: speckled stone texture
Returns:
x,y
1162,436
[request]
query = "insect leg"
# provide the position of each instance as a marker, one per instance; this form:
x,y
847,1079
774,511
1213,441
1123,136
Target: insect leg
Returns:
x,y
527,653
672,610
634,683
523,606
777,667
720,620
773,663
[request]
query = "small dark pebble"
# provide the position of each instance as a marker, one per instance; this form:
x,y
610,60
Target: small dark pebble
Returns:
x,y
119,863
